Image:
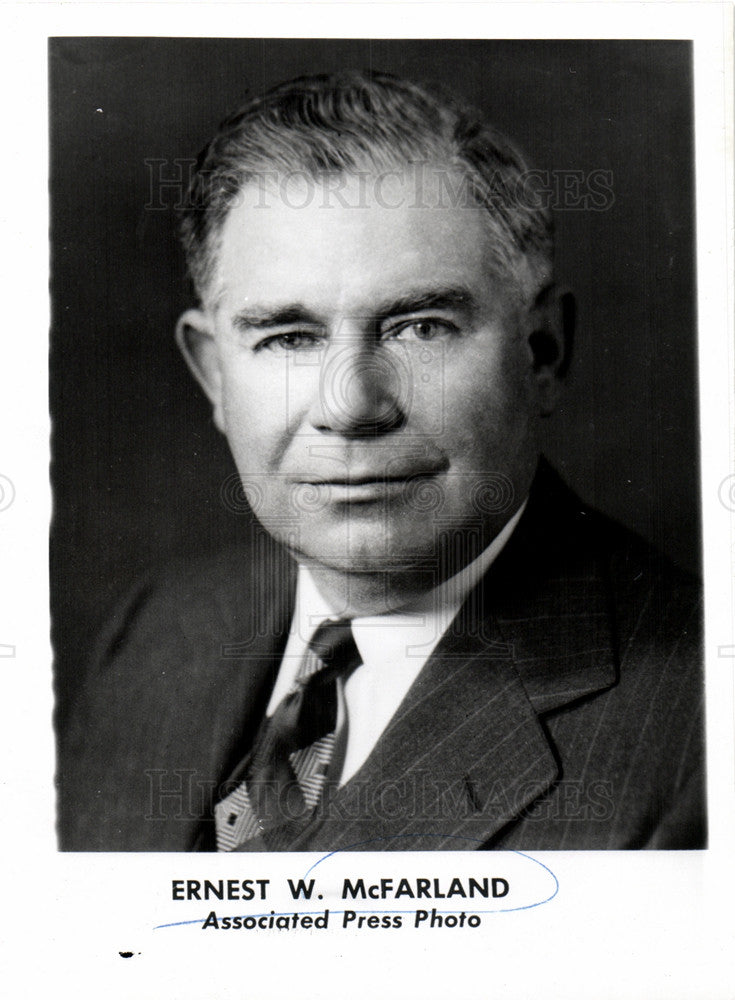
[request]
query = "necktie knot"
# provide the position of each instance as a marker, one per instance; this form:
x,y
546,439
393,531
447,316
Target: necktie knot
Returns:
x,y
309,710
334,646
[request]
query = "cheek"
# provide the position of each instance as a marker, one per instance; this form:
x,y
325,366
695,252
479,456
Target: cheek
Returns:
x,y
248,421
263,407
484,401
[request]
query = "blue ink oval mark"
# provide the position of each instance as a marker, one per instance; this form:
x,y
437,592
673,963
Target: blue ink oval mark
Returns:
x,y
502,909
352,847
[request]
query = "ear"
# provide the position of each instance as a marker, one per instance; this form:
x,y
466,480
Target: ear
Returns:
x,y
551,339
195,337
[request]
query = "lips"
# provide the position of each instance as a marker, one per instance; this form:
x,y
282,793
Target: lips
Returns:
x,y
368,477
365,487
373,480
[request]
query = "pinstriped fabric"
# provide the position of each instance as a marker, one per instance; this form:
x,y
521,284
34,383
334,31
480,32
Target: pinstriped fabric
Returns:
x,y
633,754
287,758
490,732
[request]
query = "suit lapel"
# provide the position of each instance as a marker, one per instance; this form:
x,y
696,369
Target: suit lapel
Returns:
x,y
464,754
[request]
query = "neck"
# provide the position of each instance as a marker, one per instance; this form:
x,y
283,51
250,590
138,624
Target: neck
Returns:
x,y
380,591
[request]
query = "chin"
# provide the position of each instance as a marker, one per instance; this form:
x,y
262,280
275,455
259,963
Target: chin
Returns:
x,y
367,547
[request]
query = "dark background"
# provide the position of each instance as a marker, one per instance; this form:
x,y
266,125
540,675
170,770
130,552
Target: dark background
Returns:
x,y
137,464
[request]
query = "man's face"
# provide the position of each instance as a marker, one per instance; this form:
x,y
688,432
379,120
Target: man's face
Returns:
x,y
373,379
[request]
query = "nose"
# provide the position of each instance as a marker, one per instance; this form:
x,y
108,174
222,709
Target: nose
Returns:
x,y
363,391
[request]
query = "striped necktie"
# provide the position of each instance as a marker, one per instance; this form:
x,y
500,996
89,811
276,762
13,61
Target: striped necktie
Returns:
x,y
286,772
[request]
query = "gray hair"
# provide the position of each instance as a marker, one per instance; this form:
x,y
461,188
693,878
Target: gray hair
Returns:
x,y
346,123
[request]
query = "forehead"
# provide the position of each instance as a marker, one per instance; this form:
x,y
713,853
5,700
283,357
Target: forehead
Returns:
x,y
341,241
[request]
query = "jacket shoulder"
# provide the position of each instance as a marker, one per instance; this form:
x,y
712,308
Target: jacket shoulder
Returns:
x,y
568,532
175,685
224,592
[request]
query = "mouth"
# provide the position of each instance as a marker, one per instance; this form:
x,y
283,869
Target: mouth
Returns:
x,y
367,487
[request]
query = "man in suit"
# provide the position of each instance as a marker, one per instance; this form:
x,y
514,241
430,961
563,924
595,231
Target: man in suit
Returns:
x,y
434,644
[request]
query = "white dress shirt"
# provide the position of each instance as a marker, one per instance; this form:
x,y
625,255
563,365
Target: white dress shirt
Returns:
x,y
393,648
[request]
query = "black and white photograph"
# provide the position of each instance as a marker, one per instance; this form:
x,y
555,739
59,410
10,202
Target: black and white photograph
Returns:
x,y
384,573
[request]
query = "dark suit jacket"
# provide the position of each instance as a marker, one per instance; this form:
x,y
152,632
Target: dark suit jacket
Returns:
x,y
561,711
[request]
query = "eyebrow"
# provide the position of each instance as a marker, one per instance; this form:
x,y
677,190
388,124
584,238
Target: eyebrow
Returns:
x,y
421,300
424,300
284,316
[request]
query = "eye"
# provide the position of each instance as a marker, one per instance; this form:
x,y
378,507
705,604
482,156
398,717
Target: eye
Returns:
x,y
421,329
295,340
